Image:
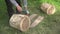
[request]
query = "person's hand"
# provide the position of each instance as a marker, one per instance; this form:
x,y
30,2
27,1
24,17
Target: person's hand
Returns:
x,y
19,8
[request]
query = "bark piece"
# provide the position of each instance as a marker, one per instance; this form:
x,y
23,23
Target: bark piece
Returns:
x,y
36,20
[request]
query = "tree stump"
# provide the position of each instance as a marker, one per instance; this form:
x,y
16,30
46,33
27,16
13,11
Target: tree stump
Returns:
x,y
48,8
20,22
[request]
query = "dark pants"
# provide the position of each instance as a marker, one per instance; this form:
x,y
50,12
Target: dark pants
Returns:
x,y
10,7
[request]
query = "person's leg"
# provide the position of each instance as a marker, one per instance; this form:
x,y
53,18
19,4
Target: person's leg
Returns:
x,y
9,8
19,2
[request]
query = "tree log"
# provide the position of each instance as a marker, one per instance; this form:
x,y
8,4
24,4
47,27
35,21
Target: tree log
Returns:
x,y
48,8
20,22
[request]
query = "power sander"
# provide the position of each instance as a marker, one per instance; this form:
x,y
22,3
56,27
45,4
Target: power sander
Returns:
x,y
25,9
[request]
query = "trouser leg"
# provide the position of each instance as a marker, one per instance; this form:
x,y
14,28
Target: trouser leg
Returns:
x,y
9,8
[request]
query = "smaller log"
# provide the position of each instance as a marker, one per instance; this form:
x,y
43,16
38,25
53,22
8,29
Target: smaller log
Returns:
x,y
48,8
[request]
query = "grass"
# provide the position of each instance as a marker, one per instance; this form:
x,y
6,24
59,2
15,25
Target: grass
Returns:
x,y
50,25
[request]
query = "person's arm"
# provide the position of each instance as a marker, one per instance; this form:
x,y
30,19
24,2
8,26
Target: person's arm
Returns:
x,y
25,3
16,4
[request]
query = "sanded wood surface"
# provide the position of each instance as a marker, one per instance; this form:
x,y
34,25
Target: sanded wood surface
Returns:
x,y
33,16
37,21
20,22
